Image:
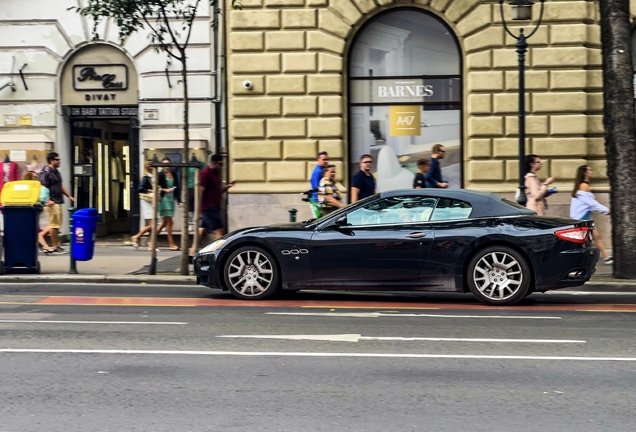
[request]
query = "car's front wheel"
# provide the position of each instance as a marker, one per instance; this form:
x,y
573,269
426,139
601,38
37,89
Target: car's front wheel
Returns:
x,y
251,273
499,275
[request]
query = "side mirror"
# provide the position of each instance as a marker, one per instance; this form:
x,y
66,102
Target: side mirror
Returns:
x,y
341,221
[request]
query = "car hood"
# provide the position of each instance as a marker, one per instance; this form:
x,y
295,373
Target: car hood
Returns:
x,y
293,226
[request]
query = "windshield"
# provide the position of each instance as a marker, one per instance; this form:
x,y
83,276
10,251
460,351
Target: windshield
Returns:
x,y
343,210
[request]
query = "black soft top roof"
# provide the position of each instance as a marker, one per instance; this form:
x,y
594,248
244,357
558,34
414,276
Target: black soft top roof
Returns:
x,y
484,204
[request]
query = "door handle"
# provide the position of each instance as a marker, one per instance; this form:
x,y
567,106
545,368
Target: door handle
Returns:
x,y
416,235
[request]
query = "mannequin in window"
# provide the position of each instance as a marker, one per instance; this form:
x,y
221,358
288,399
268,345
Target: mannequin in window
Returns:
x,y
9,171
35,166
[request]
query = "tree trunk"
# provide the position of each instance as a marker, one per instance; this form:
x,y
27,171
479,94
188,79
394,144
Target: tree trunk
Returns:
x,y
185,236
620,128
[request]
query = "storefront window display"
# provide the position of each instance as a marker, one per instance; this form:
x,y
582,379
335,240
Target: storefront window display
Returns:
x,y
405,96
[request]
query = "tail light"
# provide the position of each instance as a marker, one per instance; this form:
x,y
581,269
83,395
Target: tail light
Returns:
x,y
574,235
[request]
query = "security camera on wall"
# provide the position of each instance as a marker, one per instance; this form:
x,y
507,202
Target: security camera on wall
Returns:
x,y
248,85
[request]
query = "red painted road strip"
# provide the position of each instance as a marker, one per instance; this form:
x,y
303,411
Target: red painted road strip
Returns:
x,y
345,304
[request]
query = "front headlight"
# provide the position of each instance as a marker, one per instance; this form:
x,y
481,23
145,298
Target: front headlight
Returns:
x,y
212,247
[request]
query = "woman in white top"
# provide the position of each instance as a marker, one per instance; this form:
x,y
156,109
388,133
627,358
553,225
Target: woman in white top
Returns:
x,y
535,190
583,204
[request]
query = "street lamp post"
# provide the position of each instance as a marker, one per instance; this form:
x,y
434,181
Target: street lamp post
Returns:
x,y
521,11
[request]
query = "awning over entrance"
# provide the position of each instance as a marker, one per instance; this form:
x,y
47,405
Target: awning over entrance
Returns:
x,y
25,142
174,140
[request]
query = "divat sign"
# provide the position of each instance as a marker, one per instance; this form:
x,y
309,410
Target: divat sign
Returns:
x,y
100,77
406,90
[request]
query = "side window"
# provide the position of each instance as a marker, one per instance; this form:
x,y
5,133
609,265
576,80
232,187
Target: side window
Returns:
x,y
450,209
395,210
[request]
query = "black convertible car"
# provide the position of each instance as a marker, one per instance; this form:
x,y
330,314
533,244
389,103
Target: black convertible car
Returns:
x,y
408,240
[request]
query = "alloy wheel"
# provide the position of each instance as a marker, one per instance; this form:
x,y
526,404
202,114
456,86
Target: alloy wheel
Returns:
x,y
250,273
498,275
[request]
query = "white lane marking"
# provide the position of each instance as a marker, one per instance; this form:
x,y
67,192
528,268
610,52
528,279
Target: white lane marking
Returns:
x,y
315,354
94,322
379,314
358,338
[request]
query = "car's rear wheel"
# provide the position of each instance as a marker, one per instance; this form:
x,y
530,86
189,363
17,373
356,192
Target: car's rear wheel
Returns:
x,y
251,273
499,275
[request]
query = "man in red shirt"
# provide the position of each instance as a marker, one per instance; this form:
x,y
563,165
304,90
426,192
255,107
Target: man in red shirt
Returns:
x,y
211,190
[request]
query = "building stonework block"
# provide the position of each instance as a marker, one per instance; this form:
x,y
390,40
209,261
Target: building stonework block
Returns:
x,y
285,40
553,56
559,102
333,147
539,38
535,125
565,169
365,6
480,103
283,128
491,37
594,57
575,11
279,3
325,127
251,3
508,103
485,126
302,105
346,10
596,147
535,80
508,147
317,2
246,41
254,19
568,147
512,171
484,170
286,171
251,106
329,63
285,84
420,2
491,80
570,79
440,5
507,58
568,124
458,9
568,33
299,18
595,79
599,167
595,101
330,22
300,62
594,34
248,171
317,40
479,148
248,128
252,150
324,84
330,105
480,60
595,124
258,86
250,63
299,149
479,18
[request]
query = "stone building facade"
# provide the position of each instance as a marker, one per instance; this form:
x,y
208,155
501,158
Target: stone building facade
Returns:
x,y
298,55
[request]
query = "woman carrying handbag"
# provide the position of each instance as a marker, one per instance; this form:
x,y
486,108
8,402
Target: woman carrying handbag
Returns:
x,y
145,190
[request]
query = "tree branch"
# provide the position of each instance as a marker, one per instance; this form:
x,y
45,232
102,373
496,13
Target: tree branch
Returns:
x,y
158,36
167,24
191,21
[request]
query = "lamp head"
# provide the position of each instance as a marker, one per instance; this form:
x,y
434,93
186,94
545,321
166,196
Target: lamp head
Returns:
x,y
521,10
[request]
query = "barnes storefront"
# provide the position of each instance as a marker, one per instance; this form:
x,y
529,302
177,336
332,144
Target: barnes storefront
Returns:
x,y
99,95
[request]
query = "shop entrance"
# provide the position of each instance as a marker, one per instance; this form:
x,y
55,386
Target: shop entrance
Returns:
x,y
105,170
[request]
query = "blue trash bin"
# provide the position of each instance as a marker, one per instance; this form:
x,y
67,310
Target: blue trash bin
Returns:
x,y
84,229
21,238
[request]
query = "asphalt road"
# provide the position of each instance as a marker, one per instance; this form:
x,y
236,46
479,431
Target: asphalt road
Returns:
x,y
312,362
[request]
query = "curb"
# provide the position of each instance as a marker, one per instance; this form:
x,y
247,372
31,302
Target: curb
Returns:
x,y
100,279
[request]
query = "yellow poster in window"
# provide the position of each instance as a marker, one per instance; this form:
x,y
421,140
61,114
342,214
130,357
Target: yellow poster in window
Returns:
x,y
404,120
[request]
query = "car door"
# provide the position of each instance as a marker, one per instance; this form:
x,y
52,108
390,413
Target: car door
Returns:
x,y
387,239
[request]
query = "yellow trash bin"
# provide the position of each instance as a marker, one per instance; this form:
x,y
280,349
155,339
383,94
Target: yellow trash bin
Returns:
x,y
21,192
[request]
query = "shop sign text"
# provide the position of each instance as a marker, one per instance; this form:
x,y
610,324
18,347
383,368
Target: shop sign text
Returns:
x,y
100,77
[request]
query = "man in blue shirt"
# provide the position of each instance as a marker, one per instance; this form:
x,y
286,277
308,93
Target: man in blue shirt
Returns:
x,y
363,183
316,175
434,174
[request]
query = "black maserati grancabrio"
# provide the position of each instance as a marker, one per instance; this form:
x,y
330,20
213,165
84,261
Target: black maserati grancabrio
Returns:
x,y
408,240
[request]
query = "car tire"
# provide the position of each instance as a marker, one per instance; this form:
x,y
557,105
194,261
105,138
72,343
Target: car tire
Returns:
x,y
251,273
499,275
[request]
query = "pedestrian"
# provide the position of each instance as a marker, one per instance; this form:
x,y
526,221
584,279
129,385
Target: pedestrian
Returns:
x,y
170,191
328,195
43,200
423,166
316,175
146,190
363,183
211,190
52,180
583,204
433,176
535,190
